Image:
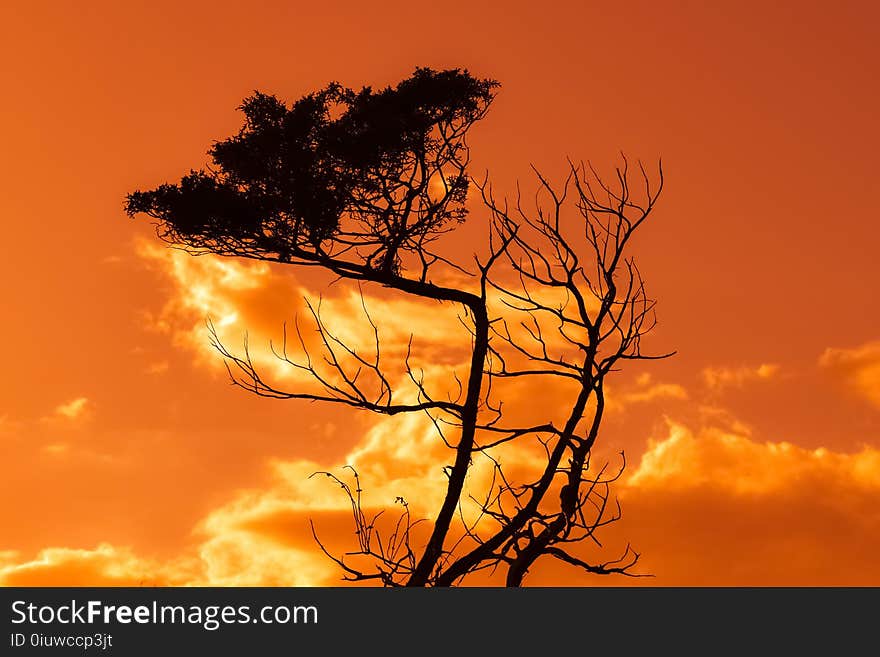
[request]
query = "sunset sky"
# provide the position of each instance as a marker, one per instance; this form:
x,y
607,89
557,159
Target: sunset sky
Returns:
x,y
753,454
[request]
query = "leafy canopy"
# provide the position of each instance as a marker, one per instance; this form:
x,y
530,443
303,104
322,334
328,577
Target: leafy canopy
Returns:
x,y
366,173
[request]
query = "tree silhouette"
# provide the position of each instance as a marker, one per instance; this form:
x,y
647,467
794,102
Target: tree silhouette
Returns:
x,y
363,184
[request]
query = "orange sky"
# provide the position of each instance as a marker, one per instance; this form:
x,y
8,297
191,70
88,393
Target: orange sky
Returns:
x,y
754,454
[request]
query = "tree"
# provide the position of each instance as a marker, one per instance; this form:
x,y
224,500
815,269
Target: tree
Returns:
x,y
363,184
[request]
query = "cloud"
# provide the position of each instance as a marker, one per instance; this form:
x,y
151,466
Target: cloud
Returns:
x,y
859,368
738,464
56,449
270,308
714,507
266,543
105,565
262,537
73,409
258,298
233,558
705,506
645,390
236,294
717,378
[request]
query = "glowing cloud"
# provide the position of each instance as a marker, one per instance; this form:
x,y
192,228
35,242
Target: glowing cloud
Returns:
x,y
644,391
106,565
721,459
269,309
858,367
697,501
717,378
72,409
699,483
713,507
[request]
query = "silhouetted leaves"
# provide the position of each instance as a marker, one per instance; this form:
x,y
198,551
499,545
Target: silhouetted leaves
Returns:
x,y
201,205
337,171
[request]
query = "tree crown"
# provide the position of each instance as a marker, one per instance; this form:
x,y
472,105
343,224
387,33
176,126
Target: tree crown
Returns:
x,y
369,173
